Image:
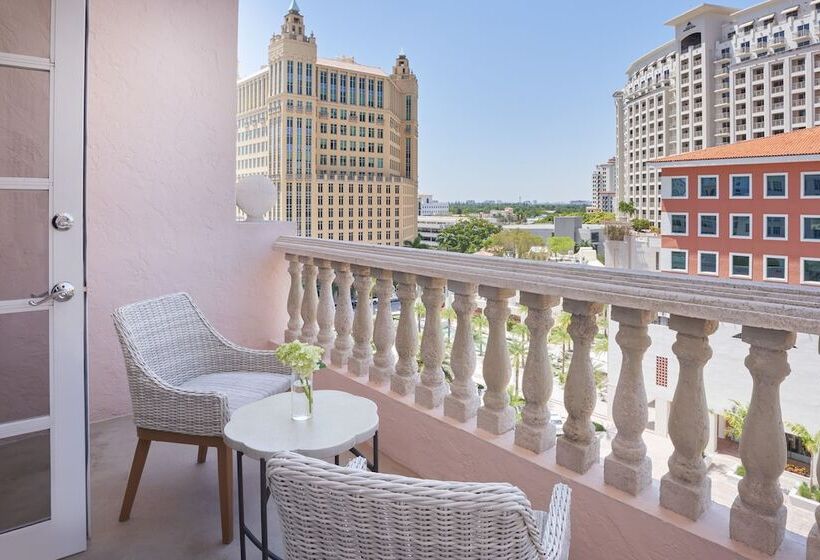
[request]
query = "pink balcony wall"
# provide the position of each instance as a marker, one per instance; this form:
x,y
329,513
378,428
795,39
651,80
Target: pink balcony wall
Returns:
x,y
160,181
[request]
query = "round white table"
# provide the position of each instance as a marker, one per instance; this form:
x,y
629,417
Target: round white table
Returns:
x,y
340,421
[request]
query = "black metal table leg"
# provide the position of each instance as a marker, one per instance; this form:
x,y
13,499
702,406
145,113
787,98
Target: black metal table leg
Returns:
x,y
264,496
374,465
241,497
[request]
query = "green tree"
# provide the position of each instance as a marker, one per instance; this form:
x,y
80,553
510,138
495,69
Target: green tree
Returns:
x,y
480,323
467,236
518,354
420,310
416,243
560,335
626,208
559,245
598,217
811,442
515,243
640,224
736,418
449,314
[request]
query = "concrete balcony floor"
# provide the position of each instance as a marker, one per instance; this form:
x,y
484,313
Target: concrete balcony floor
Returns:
x,y
176,512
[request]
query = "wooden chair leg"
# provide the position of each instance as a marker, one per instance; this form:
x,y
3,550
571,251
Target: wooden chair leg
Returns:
x,y
202,453
137,465
225,468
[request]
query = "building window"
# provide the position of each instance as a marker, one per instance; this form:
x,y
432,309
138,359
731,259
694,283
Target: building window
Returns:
x,y
678,224
661,371
775,186
810,271
408,107
708,187
741,186
708,225
775,227
741,265
774,267
741,225
290,76
811,228
707,262
323,86
308,79
678,261
811,185
678,187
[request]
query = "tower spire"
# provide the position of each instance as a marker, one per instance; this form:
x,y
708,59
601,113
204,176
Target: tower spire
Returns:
x,y
294,7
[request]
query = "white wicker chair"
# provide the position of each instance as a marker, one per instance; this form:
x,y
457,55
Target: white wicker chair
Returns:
x,y
185,380
345,513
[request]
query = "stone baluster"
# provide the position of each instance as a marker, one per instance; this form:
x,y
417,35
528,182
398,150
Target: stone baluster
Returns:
x,y
536,432
310,301
686,489
294,299
627,467
324,314
432,388
579,449
813,542
406,377
344,316
359,362
384,360
462,402
758,516
496,415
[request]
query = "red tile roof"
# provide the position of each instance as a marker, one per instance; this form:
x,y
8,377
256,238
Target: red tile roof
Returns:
x,y
797,143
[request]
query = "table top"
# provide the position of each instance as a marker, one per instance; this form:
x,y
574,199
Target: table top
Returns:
x,y
340,421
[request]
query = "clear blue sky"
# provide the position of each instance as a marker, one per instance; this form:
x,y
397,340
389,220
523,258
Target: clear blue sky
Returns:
x,y
515,98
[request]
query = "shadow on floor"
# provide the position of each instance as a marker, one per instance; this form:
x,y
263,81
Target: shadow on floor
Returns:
x,y
176,512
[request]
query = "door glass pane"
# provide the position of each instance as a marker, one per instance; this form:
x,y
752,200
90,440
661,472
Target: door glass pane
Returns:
x,y
24,371
25,27
25,480
24,115
24,223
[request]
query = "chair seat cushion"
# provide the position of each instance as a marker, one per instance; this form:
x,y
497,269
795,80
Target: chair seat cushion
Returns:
x,y
240,387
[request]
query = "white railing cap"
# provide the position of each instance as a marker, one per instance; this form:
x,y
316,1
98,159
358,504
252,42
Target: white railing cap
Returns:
x,y
755,304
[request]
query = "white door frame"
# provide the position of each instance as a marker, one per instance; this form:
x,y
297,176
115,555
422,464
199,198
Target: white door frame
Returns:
x,y
65,533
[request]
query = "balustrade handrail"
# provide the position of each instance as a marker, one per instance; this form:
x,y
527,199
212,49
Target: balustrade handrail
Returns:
x,y
756,304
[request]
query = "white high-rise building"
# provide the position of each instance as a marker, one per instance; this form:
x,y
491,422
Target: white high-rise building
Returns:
x,y
728,75
603,185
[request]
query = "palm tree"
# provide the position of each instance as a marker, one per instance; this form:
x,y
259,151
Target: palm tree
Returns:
x,y
518,354
480,323
811,443
560,335
449,314
416,243
418,307
735,419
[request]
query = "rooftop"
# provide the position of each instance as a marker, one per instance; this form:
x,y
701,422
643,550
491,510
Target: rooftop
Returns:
x,y
350,65
791,144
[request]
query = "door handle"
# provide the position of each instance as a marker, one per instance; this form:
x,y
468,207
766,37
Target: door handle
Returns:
x,y
62,291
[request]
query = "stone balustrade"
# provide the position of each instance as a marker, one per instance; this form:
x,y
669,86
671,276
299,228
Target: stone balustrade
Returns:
x,y
770,316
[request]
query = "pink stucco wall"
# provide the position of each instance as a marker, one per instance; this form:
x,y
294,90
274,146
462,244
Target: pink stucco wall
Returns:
x,y
160,181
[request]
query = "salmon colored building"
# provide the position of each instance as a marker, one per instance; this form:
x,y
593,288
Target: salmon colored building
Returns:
x,y
749,210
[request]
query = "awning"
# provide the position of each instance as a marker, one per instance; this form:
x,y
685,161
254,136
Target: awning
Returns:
x,y
791,10
814,3
770,17
747,24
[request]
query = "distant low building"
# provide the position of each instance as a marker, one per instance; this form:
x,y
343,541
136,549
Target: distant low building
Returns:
x,y
430,227
431,207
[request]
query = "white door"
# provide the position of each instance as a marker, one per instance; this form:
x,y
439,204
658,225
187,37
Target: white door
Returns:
x,y
42,349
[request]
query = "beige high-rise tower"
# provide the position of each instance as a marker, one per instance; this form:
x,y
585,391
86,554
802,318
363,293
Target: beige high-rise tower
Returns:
x,y
339,139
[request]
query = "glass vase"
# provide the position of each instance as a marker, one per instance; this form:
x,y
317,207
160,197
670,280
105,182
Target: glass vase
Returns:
x,y
301,396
